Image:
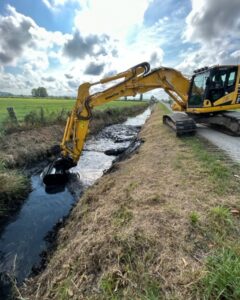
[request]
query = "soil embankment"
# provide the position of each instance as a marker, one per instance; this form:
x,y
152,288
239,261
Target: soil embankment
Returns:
x,y
144,230
21,149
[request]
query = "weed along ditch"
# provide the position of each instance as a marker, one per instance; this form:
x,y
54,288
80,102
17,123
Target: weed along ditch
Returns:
x,y
23,239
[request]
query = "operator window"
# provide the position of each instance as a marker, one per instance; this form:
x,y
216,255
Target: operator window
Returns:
x,y
231,78
198,89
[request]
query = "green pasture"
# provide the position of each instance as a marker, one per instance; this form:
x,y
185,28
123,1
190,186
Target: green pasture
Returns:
x,y
23,106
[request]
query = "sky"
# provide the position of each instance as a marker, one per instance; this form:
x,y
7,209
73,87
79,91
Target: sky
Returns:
x,y
60,44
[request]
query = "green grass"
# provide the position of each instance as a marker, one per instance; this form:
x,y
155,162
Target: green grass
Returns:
x,y
131,277
218,227
122,216
217,171
194,217
222,277
65,291
14,187
120,104
164,108
22,106
221,218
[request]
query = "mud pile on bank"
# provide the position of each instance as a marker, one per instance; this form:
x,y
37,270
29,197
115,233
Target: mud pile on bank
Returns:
x,y
132,235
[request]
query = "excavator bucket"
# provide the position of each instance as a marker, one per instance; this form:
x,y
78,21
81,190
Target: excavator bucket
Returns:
x,y
57,173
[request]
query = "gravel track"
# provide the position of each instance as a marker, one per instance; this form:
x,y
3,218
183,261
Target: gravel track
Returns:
x,y
227,143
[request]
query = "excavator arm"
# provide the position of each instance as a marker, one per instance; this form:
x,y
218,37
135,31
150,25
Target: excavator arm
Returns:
x,y
138,79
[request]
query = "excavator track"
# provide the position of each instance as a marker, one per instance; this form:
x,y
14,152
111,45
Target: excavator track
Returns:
x,y
228,121
181,123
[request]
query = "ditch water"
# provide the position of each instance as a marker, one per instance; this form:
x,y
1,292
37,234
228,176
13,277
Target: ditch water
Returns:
x,y
23,238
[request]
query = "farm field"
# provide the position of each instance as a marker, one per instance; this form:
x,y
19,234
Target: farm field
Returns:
x,y
23,106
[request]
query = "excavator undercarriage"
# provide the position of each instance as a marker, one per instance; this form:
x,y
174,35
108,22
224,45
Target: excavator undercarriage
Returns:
x,y
186,124
181,123
228,121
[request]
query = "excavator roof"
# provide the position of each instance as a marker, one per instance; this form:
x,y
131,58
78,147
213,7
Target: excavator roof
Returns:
x,y
204,69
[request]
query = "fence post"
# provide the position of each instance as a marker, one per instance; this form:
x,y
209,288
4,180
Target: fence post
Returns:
x,y
12,115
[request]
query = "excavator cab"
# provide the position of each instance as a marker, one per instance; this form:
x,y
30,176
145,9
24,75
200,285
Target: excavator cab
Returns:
x,y
210,86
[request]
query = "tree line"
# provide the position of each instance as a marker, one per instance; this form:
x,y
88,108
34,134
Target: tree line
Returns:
x,y
39,92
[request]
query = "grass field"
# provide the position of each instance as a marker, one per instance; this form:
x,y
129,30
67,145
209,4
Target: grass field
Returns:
x,y
23,106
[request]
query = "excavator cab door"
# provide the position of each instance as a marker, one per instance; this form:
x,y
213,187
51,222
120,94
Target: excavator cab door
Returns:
x,y
198,89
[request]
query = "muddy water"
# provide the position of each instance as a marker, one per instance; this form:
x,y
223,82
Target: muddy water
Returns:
x,y
94,160
22,240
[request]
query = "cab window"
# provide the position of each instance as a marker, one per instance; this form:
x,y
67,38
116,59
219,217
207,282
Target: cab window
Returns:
x,y
198,89
222,82
232,78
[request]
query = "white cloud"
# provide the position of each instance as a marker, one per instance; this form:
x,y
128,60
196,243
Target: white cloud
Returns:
x,y
236,54
54,5
109,37
211,20
115,18
40,46
214,27
25,45
20,35
14,35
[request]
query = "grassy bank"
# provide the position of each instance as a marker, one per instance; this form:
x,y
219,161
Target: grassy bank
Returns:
x,y
14,187
50,107
163,225
23,147
34,140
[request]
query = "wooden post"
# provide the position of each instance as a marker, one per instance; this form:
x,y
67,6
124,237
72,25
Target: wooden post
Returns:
x,y
12,115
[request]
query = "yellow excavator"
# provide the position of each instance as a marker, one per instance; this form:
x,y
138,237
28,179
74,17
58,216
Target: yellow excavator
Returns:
x,y
208,97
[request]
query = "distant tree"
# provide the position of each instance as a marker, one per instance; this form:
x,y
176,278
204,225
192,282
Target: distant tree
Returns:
x,y
34,92
141,97
39,92
42,92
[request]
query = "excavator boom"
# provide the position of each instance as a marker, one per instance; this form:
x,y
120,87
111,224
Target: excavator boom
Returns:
x,y
190,101
135,80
